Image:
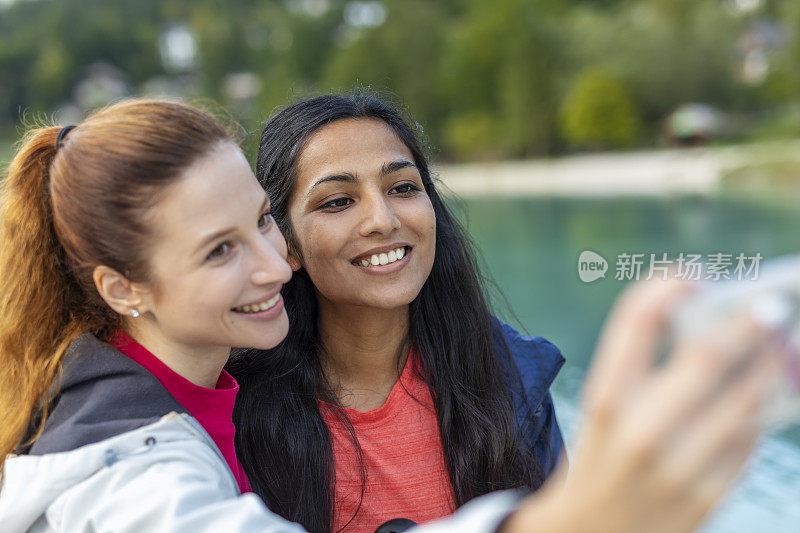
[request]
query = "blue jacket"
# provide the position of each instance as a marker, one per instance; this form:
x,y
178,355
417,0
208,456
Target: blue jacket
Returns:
x,y
537,363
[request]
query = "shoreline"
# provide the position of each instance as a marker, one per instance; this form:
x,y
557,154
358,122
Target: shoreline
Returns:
x,y
666,172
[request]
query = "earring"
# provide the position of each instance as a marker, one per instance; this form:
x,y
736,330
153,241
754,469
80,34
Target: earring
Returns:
x,y
134,313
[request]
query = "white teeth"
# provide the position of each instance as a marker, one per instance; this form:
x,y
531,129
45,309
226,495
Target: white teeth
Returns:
x,y
383,258
263,306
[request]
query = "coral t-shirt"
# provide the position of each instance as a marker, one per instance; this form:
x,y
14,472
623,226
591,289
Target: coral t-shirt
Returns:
x,y
212,408
406,475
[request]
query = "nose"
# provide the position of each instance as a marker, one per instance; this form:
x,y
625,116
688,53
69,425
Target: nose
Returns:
x,y
269,262
379,217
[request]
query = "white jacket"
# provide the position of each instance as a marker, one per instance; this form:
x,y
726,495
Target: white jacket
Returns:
x,y
166,475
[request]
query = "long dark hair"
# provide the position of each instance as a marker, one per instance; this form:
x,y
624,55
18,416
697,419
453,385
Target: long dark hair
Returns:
x,y
282,439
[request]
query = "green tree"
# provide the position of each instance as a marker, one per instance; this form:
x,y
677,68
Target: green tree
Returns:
x,y
401,55
502,64
598,111
783,83
668,52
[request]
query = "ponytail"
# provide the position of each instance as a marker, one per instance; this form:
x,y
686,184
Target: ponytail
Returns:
x,y
36,292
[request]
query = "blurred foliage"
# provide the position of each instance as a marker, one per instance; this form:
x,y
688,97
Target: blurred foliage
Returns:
x,y
598,111
508,78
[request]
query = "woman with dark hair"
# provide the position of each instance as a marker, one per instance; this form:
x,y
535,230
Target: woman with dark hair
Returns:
x,y
377,296
397,393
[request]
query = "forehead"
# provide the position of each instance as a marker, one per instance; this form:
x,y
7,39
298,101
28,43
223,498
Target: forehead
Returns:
x,y
350,145
214,192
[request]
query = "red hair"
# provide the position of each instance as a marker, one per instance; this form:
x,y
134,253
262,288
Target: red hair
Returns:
x,y
64,212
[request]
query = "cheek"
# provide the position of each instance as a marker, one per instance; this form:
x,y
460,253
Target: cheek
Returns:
x,y
326,264
422,221
278,242
320,242
205,291
170,295
311,254
320,256
426,229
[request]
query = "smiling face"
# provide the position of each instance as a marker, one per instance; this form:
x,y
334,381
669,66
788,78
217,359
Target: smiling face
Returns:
x,y
218,260
364,227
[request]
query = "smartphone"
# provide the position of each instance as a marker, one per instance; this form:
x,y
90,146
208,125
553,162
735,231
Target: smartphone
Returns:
x,y
773,297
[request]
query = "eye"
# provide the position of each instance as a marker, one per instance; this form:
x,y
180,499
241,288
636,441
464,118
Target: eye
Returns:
x,y
264,220
220,251
405,189
337,203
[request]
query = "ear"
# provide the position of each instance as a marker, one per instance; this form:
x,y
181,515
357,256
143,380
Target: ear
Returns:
x,y
294,259
121,294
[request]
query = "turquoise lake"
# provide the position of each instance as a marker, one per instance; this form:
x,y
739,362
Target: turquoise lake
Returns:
x,y
531,248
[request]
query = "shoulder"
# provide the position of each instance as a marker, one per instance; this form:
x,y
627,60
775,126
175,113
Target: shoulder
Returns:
x,y
536,360
531,366
179,484
156,466
101,393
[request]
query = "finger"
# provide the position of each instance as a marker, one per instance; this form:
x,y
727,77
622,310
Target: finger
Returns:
x,y
706,492
698,370
630,338
660,413
736,417
694,379
717,442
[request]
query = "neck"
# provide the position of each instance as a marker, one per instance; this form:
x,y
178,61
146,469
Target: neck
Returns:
x,y
362,357
200,364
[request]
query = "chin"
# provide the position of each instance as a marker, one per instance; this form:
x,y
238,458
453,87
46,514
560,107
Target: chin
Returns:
x,y
393,301
272,334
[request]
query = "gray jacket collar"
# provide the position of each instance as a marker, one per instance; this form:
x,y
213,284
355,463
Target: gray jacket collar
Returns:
x,y
102,394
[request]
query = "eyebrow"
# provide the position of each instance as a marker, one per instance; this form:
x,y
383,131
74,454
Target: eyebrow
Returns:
x,y
222,233
394,166
346,177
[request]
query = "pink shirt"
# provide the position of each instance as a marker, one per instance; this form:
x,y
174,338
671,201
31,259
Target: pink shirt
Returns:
x,y
212,408
405,466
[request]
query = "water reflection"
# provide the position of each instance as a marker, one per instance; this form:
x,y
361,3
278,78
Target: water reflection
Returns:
x,y
531,247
